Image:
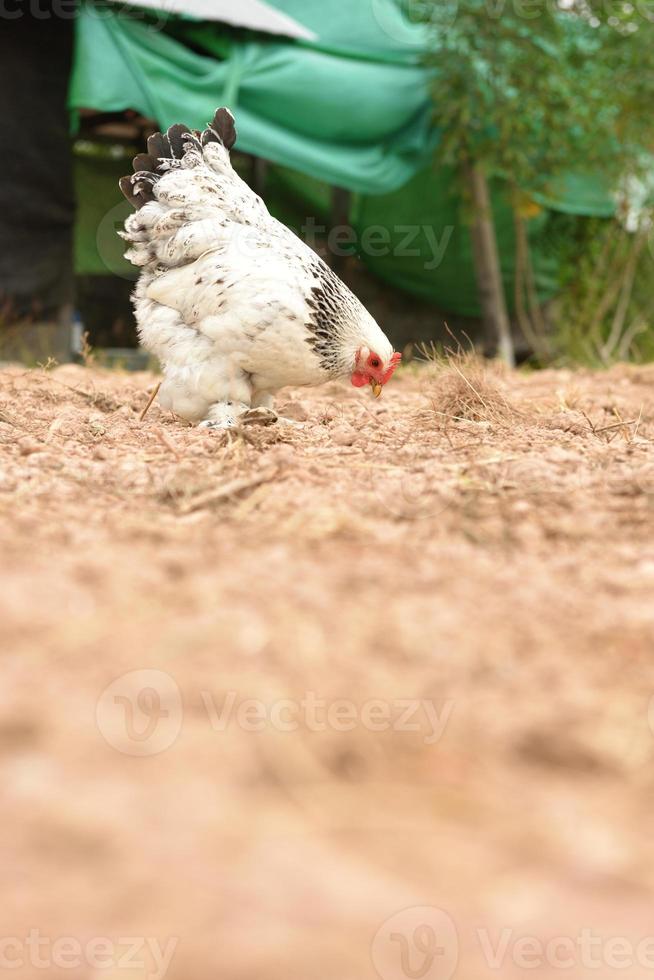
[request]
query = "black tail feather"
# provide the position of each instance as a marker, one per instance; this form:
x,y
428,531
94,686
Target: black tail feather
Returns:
x,y
223,125
125,184
163,147
175,136
143,161
158,146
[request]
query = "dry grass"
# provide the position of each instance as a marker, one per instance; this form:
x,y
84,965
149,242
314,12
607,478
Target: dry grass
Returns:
x,y
477,542
463,386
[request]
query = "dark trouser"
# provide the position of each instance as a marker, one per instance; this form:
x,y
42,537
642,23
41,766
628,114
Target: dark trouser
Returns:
x,y
36,187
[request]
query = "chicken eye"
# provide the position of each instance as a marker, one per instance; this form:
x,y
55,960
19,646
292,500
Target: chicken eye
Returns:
x,y
374,363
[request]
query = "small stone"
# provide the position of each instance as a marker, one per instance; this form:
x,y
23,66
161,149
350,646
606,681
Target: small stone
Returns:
x,y
295,411
342,436
27,446
568,422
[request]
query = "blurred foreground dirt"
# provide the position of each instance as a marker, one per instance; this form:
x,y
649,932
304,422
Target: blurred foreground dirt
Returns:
x,y
439,609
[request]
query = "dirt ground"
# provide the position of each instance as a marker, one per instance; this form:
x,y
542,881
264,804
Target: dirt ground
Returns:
x,y
365,696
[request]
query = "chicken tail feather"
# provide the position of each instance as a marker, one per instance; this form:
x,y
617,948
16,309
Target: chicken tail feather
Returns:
x,y
167,150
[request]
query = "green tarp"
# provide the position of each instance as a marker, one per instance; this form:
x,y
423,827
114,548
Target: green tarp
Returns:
x,y
350,109
355,115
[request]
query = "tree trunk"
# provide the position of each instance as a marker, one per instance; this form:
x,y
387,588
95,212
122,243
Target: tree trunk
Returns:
x,y
530,322
487,264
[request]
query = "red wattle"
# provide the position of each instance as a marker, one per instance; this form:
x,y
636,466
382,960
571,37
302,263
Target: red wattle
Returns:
x,y
395,360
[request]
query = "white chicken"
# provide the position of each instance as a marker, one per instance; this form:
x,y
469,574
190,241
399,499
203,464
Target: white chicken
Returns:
x,y
234,305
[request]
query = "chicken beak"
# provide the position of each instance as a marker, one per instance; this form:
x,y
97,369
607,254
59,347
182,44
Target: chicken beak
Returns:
x,y
376,388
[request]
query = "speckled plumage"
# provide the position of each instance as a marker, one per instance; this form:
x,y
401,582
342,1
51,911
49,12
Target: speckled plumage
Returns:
x,y
233,304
